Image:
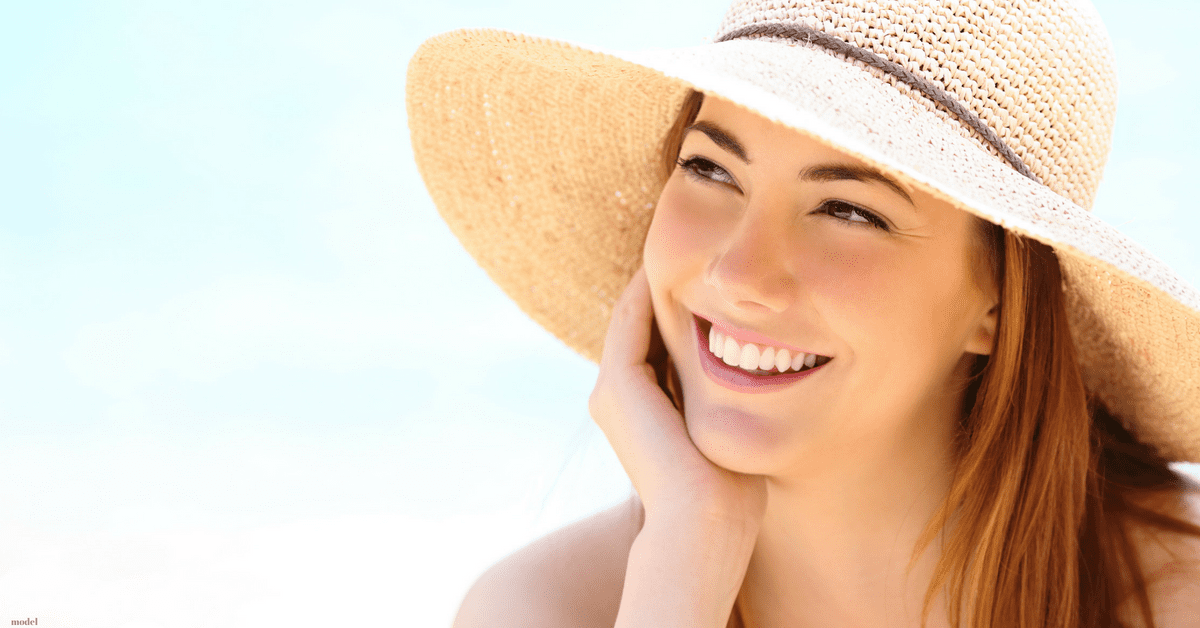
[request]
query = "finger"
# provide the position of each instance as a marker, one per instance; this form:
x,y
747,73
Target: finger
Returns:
x,y
628,337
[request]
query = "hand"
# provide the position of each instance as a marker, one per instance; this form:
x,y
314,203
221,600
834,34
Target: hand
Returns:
x,y
671,476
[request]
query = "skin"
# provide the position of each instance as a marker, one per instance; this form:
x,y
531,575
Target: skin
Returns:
x,y
752,246
803,505
836,475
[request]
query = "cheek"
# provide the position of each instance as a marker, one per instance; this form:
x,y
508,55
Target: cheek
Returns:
x,y
854,275
877,295
680,238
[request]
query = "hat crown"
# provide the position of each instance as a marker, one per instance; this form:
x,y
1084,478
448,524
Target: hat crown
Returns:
x,y
1041,75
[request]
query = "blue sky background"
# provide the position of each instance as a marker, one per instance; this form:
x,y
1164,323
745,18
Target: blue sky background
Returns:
x,y
247,377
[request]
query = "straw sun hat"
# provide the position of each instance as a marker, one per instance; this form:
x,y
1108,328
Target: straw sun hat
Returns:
x,y
544,158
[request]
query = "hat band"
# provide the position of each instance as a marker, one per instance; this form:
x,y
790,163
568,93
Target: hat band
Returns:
x,y
806,34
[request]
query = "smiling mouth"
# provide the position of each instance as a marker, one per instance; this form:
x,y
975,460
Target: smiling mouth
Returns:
x,y
745,363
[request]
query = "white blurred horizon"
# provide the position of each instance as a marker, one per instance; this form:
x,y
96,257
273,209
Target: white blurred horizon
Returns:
x,y
248,376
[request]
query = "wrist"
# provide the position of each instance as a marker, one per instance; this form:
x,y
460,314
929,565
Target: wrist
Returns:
x,y
702,523
708,515
685,572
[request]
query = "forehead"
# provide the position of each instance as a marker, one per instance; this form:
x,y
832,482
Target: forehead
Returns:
x,y
751,127
748,136
755,131
776,143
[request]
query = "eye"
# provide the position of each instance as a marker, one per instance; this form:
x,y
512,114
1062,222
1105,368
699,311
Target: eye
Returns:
x,y
705,170
853,215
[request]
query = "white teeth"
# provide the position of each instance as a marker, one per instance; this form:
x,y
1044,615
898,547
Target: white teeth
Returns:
x,y
733,354
767,359
783,359
749,357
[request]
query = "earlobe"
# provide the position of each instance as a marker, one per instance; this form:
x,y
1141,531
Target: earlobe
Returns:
x,y
984,337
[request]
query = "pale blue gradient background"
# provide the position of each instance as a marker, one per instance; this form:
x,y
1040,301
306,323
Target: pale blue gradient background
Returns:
x,y
248,378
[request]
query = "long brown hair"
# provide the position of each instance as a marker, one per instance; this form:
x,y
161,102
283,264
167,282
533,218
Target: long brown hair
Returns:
x,y
1048,483
1035,531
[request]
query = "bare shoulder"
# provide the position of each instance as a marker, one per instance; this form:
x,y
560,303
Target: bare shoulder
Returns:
x,y
570,577
1171,563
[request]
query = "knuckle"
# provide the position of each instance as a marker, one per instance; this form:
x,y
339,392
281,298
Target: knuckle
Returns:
x,y
623,311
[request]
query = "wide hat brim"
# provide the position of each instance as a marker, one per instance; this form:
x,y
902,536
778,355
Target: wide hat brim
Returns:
x,y
544,158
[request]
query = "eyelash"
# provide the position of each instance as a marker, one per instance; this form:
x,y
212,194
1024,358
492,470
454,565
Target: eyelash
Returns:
x,y
869,218
697,166
702,170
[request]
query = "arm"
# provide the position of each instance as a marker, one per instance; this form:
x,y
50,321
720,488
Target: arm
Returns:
x,y
1170,562
677,558
570,577
685,575
701,521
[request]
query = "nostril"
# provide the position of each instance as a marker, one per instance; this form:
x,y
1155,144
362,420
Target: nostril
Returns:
x,y
751,280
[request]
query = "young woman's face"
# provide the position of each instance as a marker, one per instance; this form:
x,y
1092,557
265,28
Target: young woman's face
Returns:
x,y
780,242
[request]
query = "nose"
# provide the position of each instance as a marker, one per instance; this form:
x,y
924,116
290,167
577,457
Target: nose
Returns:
x,y
751,271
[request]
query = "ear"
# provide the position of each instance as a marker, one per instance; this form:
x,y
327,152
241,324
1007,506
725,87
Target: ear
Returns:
x,y
983,338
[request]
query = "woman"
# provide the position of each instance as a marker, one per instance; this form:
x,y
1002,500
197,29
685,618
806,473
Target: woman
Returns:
x,y
880,367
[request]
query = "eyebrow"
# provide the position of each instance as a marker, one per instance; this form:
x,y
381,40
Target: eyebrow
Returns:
x,y
721,138
820,172
839,172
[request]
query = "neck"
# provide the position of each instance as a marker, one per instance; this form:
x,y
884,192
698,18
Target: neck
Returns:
x,y
837,542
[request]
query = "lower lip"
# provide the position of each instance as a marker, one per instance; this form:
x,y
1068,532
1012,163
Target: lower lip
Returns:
x,y
738,380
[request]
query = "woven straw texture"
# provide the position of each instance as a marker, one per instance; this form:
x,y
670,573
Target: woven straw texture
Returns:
x,y
544,159
1039,73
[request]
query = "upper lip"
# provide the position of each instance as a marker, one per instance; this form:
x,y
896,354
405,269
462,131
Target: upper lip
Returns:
x,y
744,335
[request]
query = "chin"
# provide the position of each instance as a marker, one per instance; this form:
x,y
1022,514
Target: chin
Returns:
x,y
733,435
738,440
